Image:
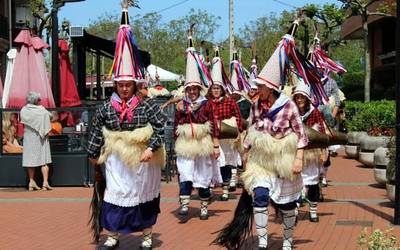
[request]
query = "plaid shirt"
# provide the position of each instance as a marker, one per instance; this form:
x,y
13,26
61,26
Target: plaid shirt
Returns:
x,y
226,108
331,89
201,115
106,116
315,118
287,120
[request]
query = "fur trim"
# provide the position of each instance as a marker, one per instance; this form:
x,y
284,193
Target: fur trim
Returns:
x,y
129,146
200,145
234,143
153,92
311,157
269,156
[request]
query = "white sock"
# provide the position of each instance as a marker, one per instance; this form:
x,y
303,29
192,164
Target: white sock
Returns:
x,y
261,220
289,221
313,209
233,178
112,239
146,237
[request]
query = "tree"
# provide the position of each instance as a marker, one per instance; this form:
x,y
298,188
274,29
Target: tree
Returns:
x,y
327,20
41,13
361,8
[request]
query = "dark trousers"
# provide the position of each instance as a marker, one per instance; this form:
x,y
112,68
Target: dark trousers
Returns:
x,y
261,199
185,188
226,173
313,192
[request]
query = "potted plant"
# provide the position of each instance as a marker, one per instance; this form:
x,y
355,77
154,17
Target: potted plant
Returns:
x,y
354,126
381,160
378,240
391,174
378,119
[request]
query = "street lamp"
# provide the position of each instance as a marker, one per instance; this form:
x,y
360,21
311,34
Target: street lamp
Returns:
x,y
55,65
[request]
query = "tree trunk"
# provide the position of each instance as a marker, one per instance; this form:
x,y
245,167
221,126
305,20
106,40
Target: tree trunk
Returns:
x,y
367,61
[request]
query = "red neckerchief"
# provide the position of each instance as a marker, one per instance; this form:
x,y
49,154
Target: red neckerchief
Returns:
x,y
126,109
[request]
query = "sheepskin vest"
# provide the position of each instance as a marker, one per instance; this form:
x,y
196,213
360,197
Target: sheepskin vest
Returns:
x,y
269,156
194,145
311,157
153,92
129,146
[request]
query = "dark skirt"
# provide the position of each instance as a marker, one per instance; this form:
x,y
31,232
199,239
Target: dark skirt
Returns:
x,y
130,219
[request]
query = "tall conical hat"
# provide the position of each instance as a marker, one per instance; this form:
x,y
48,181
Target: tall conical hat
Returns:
x,y
126,64
197,73
302,89
273,73
218,74
276,70
239,83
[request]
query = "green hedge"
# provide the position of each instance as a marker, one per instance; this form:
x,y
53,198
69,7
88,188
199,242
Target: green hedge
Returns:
x,y
353,86
376,117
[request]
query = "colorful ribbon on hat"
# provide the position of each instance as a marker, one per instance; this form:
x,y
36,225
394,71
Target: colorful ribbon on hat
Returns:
x,y
242,82
125,37
204,73
324,63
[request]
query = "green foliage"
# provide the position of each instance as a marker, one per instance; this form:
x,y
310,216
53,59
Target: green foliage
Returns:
x,y
376,117
378,240
353,85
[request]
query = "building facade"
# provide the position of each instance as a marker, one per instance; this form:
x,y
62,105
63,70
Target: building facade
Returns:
x,y
381,39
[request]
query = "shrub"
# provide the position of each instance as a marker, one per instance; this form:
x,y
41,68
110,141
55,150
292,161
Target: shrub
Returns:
x,y
376,118
378,240
353,86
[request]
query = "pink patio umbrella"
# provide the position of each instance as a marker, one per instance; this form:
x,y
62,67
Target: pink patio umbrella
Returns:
x,y
29,72
69,93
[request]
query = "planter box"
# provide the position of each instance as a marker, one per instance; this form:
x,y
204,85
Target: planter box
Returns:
x,y
380,175
66,170
371,143
354,137
380,157
366,158
351,151
390,190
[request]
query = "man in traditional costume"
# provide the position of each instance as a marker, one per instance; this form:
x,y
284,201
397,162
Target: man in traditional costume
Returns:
x,y
326,65
127,137
226,112
197,143
274,146
238,87
313,157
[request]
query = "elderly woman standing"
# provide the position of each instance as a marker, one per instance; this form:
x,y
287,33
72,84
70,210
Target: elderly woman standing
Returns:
x,y
36,150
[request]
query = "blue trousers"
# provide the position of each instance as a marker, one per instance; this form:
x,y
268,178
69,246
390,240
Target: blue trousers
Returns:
x,y
261,199
185,188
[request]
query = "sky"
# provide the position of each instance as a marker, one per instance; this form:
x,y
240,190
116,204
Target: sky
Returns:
x,y
81,13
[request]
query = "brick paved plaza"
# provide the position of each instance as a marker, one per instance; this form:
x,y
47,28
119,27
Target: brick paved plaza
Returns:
x,y
58,219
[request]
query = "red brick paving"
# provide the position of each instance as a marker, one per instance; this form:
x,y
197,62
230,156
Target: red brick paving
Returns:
x,y
39,221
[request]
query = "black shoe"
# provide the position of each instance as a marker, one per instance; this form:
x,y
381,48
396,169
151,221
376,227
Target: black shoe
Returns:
x,y
183,213
224,198
203,216
333,154
145,248
314,219
105,247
